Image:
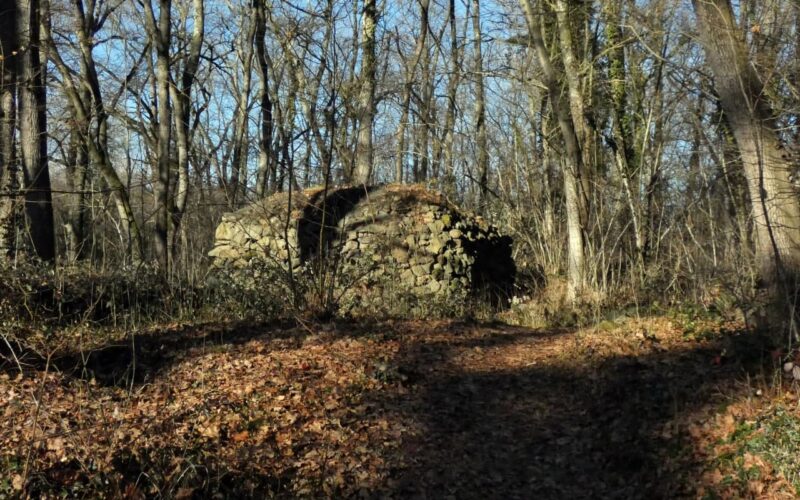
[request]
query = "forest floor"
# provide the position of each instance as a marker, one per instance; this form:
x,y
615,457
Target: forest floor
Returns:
x,y
637,408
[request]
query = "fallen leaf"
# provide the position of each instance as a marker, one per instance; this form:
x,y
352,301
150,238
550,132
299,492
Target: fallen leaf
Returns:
x,y
184,493
56,445
240,437
210,431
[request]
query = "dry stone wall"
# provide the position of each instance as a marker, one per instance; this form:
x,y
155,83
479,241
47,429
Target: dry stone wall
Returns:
x,y
385,242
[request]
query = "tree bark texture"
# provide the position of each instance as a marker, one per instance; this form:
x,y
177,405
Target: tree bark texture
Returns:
x,y
572,160
160,31
32,124
767,165
481,141
366,99
9,47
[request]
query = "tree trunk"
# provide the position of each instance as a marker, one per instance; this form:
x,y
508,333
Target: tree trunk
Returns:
x,y
424,118
182,112
449,180
767,167
577,104
238,179
77,166
160,33
32,124
408,87
8,162
265,154
9,189
400,156
621,129
480,105
572,161
366,99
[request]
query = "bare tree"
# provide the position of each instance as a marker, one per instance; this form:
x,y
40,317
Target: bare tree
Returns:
x,y
572,162
91,115
774,201
265,153
32,124
454,79
366,99
621,121
410,68
480,104
9,50
181,99
159,31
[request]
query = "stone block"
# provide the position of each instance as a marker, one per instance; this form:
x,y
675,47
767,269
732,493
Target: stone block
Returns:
x,y
224,231
421,269
224,252
399,254
435,245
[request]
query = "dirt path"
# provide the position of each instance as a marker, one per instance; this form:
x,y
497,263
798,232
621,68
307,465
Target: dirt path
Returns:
x,y
411,409
541,414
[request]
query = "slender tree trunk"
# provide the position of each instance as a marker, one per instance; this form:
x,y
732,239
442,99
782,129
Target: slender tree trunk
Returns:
x,y
424,118
77,167
454,79
572,161
400,156
767,167
577,104
572,72
265,154
366,99
181,99
653,191
237,187
548,161
286,129
8,161
408,88
9,188
621,129
160,33
431,109
32,123
480,105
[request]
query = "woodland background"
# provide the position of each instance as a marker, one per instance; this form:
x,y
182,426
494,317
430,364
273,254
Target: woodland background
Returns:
x,y
619,152
643,154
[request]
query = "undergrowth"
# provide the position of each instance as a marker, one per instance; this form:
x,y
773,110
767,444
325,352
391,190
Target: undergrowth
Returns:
x,y
42,306
774,437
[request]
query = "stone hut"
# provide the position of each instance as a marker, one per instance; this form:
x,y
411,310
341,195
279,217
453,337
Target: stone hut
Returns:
x,y
385,242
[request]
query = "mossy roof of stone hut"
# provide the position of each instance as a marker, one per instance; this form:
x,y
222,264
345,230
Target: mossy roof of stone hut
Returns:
x,y
277,204
417,193
400,195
